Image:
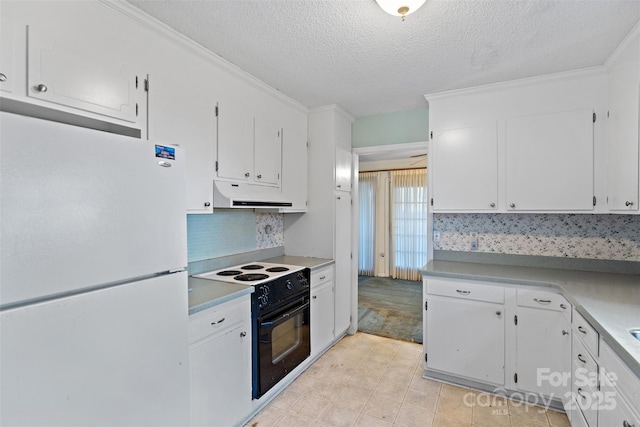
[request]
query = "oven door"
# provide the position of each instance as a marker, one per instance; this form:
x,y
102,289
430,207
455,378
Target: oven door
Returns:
x,y
283,343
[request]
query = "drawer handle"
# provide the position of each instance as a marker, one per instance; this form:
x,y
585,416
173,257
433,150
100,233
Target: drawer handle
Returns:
x,y
219,321
562,306
626,423
3,77
463,292
580,393
542,301
581,358
581,329
323,277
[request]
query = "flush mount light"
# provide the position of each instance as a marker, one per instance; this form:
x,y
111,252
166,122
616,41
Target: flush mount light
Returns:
x,y
400,7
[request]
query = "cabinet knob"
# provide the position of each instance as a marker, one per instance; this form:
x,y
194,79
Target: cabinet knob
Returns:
x,y
247,175
565,332
628,203
498,313
562,306
493,205
315,297
512,205
42,88
243,334
3,77
338,197
339,185
207,204
259,176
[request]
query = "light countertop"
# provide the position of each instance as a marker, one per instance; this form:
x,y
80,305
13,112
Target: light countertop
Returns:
x,y
609,301
303,261
204,293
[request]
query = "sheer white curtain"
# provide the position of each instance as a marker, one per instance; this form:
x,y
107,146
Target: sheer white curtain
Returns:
x,y
367,205
409,219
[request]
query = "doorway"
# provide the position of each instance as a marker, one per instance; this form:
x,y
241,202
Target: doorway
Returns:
x,y
392,239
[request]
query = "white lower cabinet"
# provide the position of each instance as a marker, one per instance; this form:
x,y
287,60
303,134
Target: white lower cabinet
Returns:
x,y
220,360
619,391
465,330
503,336
322,310
543,343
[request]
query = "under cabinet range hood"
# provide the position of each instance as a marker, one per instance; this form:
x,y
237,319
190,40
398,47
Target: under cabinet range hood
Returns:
x,y
247,196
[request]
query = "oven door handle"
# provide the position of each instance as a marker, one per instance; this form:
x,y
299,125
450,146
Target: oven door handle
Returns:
x,y
284,317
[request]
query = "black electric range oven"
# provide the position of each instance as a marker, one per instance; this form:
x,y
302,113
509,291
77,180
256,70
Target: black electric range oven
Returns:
x,y
280,314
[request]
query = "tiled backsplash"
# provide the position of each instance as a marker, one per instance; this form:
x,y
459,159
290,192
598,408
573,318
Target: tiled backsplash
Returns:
x,y
229,232
610,237
269,230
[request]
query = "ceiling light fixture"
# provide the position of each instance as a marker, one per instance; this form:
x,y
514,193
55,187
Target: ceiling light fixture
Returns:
x,y
400,7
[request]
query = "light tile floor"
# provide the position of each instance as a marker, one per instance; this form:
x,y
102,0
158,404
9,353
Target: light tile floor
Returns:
x,y
366,380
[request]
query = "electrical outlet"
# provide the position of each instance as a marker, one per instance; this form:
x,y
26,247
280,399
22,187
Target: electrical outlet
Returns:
x,y
436,236
473,240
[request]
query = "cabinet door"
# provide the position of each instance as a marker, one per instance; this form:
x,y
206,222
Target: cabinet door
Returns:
x,y
268,152
464,173
343,169
322,317
181,112
221,379
614,410
466,338
342,251
235,141
543,352
549,162
622,132
67,70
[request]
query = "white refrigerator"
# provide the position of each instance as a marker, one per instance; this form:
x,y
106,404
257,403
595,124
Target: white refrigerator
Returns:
x,y
93,287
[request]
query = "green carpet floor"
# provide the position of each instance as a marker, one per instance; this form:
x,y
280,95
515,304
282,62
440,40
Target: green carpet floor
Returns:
x,y
390,308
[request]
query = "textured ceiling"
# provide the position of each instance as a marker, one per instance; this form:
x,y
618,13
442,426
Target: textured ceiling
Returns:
x,y
351,53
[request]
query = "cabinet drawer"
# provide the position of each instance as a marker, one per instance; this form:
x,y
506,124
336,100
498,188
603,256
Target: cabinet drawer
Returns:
x,y
587,399
216,320
615,411
621,376
577,418
322,276
465,290
584,331
584,361
543,300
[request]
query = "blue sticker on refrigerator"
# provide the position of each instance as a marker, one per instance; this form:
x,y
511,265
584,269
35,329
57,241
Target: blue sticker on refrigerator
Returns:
x,y
165,152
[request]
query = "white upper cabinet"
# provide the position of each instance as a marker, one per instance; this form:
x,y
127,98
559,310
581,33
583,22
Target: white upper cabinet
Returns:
x,y
343,152
549,161
183,112
235,141
523,146
66,69
267,151
464,171
622,130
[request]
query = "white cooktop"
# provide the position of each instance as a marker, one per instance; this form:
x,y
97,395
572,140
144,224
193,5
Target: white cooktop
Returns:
x,y
242,269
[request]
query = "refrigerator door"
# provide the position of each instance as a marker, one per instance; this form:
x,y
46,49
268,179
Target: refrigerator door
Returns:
x,y
111,357
82,208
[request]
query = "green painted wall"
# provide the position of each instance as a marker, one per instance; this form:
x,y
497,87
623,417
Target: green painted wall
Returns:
x,y
391,128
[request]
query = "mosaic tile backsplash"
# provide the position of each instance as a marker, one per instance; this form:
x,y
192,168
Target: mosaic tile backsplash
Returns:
x,y
269,230
610,237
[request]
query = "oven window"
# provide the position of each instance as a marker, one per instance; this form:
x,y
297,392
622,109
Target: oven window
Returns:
x,y
286,337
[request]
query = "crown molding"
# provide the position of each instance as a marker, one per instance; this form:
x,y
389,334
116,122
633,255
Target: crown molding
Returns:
x,y
141,18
